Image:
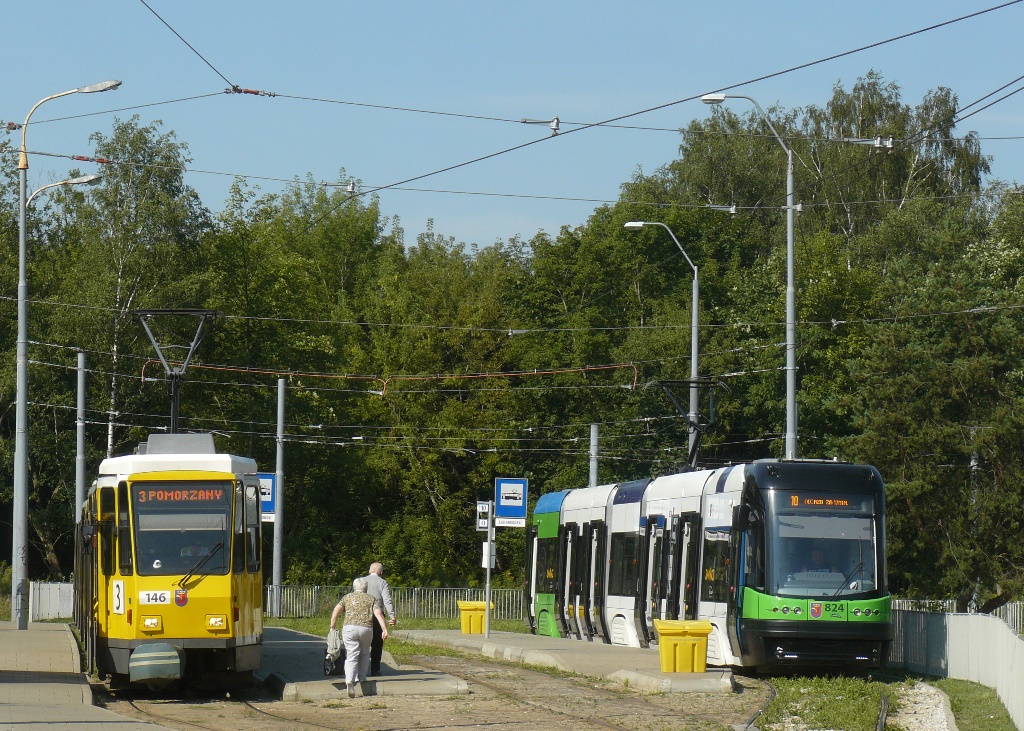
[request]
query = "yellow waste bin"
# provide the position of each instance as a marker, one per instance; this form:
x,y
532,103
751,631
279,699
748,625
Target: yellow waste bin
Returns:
x,y
472,614
682,644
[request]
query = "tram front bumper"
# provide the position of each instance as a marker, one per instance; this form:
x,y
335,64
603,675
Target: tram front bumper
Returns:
x,y
767,643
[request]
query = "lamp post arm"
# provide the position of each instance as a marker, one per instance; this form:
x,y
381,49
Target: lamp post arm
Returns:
x,y
765,117
23,157
680,246
28,201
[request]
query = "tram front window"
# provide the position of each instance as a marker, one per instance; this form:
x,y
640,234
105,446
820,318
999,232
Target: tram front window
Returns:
x,y
822,552
179,525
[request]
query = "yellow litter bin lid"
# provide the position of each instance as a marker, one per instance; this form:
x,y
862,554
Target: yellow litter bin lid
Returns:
x,y
473,606
682,627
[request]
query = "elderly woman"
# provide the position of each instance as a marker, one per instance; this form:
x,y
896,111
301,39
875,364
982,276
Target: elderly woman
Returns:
x,y
359,609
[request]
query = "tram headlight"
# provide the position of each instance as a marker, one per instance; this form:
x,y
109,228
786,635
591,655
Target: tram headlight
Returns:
x,y
785,610
152,623
798,610
216,622
857,612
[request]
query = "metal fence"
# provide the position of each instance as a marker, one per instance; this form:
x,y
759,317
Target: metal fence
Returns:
x,y
410,602
975,647
50,600
1012,613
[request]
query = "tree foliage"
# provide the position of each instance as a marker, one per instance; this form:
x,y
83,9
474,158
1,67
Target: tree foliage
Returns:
x,y
417,372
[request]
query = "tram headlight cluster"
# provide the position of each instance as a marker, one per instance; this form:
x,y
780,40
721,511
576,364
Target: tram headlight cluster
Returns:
x,y
866,612
786,609
216,622
152,623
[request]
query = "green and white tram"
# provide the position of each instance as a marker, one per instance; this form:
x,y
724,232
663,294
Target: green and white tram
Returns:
x,y
785,559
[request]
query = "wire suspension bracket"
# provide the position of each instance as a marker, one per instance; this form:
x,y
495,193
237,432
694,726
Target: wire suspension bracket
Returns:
x,y
176,373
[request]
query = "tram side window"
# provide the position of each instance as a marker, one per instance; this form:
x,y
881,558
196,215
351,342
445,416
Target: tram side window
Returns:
x,y
623,570
599,566
547,559
124,531
238,542
714,583
106,525
252,528
655,589
753,559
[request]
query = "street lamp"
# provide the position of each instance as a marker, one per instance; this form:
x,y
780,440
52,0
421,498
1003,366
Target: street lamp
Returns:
x,y
83,180
694,325
19,532
791,208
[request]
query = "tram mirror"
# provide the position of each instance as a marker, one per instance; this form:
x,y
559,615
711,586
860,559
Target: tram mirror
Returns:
x,y
251,492
88,533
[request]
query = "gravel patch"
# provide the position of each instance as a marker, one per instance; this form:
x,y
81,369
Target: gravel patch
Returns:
x,y
923,707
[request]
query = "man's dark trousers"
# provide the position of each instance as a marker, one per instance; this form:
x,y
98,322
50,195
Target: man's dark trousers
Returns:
x,y
376,647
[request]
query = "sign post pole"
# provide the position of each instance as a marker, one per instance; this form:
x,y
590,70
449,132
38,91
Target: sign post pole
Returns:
x,y
488,553
508,509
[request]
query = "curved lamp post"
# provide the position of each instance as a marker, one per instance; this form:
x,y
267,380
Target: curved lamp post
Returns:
x,y
19,533
83,180
694,326
791,208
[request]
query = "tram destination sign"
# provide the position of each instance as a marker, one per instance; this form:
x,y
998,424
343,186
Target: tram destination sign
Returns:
x,y
827,501
510,502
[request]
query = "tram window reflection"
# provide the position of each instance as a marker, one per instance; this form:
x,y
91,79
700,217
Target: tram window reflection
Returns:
x,y
818,555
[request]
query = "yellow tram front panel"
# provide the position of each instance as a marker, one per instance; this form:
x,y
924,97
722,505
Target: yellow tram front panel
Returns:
x,y
186,569
168,568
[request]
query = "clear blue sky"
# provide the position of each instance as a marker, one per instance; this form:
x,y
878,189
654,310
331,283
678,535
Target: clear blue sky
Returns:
x,y
581,61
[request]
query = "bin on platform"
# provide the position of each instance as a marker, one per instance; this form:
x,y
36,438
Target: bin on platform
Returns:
x,y
472,614
683,644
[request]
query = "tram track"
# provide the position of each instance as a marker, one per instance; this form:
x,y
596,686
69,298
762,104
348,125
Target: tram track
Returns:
x,y
502,695
291,722
504,691
630,704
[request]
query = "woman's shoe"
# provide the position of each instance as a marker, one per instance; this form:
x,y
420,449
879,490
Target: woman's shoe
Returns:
x,y
351,690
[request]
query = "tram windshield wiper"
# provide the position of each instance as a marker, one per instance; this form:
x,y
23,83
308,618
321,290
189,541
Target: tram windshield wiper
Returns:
x,y
199,564
858,567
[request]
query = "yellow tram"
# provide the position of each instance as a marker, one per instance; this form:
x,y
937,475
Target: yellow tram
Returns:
x,y
168,581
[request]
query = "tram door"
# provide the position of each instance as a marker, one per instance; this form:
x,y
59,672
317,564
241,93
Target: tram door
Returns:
x,y
576,585
531,578
684,549
654,597
109,592
564,592
583,584
641,615
598,577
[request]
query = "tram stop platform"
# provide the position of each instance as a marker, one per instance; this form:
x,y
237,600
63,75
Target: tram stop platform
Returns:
x,y
638,668
293,668
42,686
292,665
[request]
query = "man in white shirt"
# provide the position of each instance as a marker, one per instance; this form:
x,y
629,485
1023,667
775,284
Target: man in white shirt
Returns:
x,y
378,588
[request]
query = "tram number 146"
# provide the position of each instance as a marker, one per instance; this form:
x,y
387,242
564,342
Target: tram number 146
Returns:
x,y
155,597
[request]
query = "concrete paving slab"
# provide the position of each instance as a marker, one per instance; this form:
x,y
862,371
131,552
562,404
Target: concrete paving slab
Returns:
x,y
632,666
42,686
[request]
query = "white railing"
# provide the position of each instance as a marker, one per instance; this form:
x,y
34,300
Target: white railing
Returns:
x,y
50,601
1012,614
976,647
410,602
